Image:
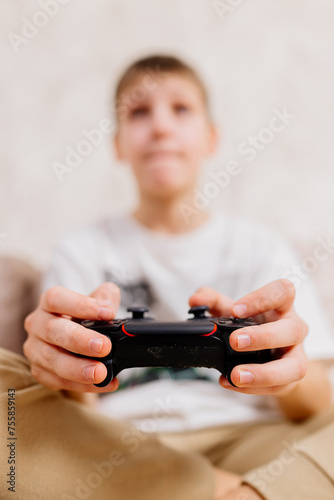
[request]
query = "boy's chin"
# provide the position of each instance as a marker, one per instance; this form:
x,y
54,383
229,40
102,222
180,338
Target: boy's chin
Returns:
x,y
164,190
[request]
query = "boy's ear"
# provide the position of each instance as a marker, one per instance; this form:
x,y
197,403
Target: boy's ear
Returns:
x,y
213,139
117,147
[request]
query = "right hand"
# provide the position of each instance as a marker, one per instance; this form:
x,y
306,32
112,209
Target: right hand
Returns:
x,y
53,336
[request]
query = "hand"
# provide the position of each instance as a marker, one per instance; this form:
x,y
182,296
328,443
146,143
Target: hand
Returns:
x,y
52,334
281,328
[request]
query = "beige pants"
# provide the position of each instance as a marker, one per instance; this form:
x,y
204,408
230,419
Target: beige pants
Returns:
x,y
54,448
281,460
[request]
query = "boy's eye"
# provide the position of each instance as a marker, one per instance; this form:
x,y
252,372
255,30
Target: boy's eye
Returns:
x,y
181,108
140,111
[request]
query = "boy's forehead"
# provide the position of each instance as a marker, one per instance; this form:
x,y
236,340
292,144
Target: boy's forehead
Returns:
x,y
147,84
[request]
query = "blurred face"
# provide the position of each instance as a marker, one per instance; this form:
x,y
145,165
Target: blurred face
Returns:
x,y
165,135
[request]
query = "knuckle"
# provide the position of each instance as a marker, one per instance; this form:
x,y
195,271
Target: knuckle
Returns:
x,y
109,290
26,348
35,371
74,336
276,389
28,322
203,289
81,307
288,287
302,369
51,297
277,294
49,356
55,386
72,373
261,301
109,285
270,379
305,327
75,374
64,384
48,330
299,332
266,337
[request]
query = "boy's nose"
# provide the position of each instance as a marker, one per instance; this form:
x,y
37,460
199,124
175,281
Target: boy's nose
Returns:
x,y
162,123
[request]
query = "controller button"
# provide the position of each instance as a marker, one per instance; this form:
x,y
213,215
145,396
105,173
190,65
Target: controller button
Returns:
x,y
199,311
87,323
137,312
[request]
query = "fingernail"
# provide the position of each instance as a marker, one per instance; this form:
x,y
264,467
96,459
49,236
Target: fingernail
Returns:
x,y
243,341
246,377
96,345
89,372
105,313
240,310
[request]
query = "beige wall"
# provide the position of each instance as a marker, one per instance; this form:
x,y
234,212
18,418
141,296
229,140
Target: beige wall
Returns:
x,y
260,56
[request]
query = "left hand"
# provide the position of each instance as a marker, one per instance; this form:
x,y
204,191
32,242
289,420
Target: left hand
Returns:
x,y
280,328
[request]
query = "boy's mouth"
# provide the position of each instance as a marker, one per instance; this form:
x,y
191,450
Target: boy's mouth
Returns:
x,y
162,154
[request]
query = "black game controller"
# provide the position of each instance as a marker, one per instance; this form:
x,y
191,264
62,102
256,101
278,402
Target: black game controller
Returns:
x,y
198,341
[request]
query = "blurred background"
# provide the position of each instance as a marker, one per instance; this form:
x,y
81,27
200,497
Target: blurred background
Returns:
x,y
60,60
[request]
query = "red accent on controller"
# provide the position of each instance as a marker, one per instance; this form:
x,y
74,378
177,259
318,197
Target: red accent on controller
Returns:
x,y
126,333
213,331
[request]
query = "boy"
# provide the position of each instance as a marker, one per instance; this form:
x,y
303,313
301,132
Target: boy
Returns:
x,y
157,257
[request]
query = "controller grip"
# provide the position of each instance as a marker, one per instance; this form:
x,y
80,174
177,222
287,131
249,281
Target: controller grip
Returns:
x,y
108,363
259,357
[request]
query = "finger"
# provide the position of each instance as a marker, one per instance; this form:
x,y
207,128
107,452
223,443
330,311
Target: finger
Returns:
x,y
277,295
108,294
69,335
56,383
290,368
260,391
220,305
59,300
66,365
282,333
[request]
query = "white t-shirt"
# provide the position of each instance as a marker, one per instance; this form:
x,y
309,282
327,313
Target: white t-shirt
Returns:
x,y
232,255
